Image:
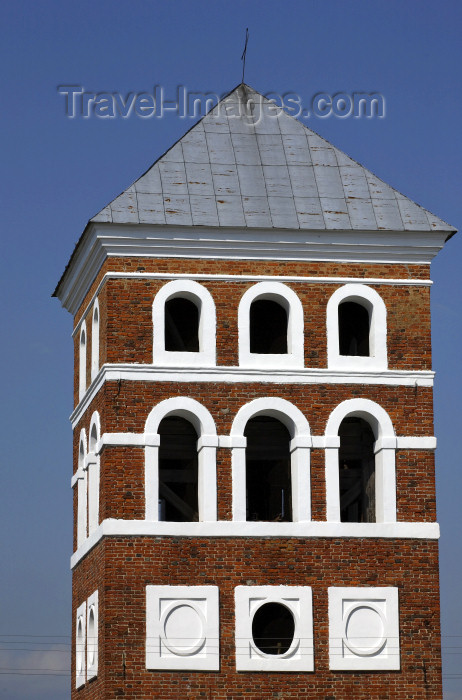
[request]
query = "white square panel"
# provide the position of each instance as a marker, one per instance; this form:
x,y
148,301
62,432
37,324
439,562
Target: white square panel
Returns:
x,y
364,629
182,628
274,628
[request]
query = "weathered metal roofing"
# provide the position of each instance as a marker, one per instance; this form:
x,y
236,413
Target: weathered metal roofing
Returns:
x,y
248,167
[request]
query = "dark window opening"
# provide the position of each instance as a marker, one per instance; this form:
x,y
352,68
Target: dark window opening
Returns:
x,y
273,628
354,328
178,467
268,327
268,483
357,472
181,325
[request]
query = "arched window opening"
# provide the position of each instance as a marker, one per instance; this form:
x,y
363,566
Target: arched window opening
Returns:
x,y
178,470
181,325
268,327
273,628
95,343
82,363
357,471
268,465
354,329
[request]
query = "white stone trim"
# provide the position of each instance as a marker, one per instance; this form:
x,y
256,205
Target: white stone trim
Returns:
x,y
373,302
93,471
416,443
92,639
298,599
201,419
298,428
234,375
120,240
82,488
285,297
247,278
95,332
201,297
82,360
182,628
249,529
80,637
385,472
373,612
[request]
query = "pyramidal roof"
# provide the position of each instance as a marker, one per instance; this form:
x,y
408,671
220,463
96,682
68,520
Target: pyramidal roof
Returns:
x,y
249,165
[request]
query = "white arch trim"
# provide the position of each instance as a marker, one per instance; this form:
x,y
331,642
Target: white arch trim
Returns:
x,y
82,490
207,443
199,295
93,472
95,331
82,360
384,448
373,302
284,295
300,445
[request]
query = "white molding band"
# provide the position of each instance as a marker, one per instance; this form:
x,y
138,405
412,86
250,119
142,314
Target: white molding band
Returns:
x,y
247,278
234,375
103,241
229,528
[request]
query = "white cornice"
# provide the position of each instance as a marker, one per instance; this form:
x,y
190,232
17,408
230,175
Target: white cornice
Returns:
x,y
149,373
101,241
313,529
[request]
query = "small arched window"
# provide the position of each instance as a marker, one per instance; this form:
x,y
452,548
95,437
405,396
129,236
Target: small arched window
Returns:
x,y
353,329
178,470
82,361
93,469
268,327
268,470
95,341
356,471
181,325
82,492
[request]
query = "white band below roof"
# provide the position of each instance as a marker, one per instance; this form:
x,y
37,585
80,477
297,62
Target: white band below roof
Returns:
x,y
228,528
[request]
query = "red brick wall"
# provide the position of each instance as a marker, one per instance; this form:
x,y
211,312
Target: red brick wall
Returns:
x,y
121,568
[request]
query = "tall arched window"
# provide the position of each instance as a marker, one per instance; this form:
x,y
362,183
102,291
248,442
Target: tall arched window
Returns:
x,y
82,361
353,329
268,327
356,471
270,320
268,467
184,320
82,491
356,320
95,341
178,470
181,325
93,474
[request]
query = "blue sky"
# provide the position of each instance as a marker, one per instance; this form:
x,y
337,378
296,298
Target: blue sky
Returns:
x,y
57,172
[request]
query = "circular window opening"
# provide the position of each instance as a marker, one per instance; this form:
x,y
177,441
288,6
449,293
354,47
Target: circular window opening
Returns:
x,y
273,628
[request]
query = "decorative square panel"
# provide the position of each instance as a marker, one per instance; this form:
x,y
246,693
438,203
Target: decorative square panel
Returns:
x,y
274,628
364,629
182,628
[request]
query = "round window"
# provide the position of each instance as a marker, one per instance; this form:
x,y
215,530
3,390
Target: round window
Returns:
x,y
273,628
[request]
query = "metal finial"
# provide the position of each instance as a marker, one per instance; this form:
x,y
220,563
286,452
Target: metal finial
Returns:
x,y
244,53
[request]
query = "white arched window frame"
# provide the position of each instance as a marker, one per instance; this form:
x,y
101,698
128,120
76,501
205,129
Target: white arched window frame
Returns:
x,y
95,341
93,470
92,636
80,637
373,302
384,450
82,361
300,447
82,490
207,444
201,297
286,297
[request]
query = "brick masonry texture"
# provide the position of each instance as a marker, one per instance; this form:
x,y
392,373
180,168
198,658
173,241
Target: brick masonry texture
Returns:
x,y
121,568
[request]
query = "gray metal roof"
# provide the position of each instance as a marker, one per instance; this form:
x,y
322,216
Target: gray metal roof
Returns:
x,y
241,167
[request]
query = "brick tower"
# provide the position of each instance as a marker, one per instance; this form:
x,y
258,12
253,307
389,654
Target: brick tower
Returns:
x,y
254,496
